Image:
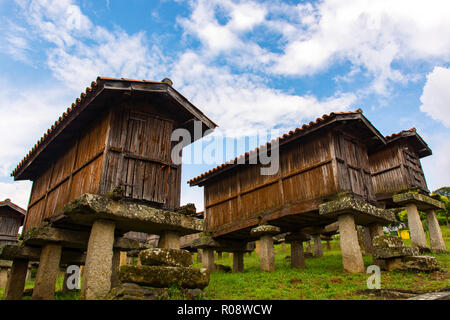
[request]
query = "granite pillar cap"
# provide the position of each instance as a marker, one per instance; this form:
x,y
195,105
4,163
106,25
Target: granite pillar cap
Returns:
x,y
264,230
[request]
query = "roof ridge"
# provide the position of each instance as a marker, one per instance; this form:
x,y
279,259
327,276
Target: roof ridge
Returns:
x,y
70,110
283,137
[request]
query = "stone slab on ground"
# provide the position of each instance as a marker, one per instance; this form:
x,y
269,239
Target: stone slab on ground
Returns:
x,y
423,202
165,257
223,268
387,246
440,295
127,215
363,212
164,277
132,291
419,263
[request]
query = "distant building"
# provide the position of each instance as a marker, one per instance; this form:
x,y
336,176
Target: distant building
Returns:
x,y
11,218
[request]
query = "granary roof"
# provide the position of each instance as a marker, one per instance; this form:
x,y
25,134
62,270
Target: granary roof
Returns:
x,y
88,104
14,208
376,140
421,147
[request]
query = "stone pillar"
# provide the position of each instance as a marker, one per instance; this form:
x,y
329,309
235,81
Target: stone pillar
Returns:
x,y
318,251
375,229
283,246
266,254
219,254
351,251
65,289
208,259
297,255
257,245
328,245
16,280
169,240
418,239
3,277
367,237
199,255
47,272
436,240
98,267
29,277
123,258
238,262
114,268
308,246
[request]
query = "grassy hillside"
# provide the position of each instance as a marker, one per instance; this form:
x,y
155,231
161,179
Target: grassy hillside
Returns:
x,y
324,278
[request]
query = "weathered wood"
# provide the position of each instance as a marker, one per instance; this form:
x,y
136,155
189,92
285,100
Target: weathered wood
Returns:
x,y
117,134
318,163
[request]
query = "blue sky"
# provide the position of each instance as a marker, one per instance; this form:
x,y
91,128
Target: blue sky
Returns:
x,y
249,65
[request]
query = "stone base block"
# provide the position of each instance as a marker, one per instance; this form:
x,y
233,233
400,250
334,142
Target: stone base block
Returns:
x,y
164,277
132,291
165,257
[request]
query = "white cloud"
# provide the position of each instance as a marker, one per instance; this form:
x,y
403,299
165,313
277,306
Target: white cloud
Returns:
x,y
371,35
26,115
437,166
436,95
241,104
81,51
18,192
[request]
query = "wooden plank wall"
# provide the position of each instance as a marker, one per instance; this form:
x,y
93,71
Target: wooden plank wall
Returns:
x,y
306,172
9,225
396,168
353,167
78,170
139,158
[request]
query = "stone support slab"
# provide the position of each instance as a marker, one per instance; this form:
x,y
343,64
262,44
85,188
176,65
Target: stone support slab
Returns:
x,y
16,280
418,239
436,240
351,252
98,268
47,273
127,215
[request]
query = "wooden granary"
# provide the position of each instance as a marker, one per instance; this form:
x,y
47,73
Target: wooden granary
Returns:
x,y
399,182
318,162
396,166
324,173
11,218
103,169
116,135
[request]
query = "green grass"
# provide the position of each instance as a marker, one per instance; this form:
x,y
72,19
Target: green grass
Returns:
x,y
323,279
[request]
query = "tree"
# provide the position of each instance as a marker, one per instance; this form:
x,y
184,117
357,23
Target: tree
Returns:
x,y
444,194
